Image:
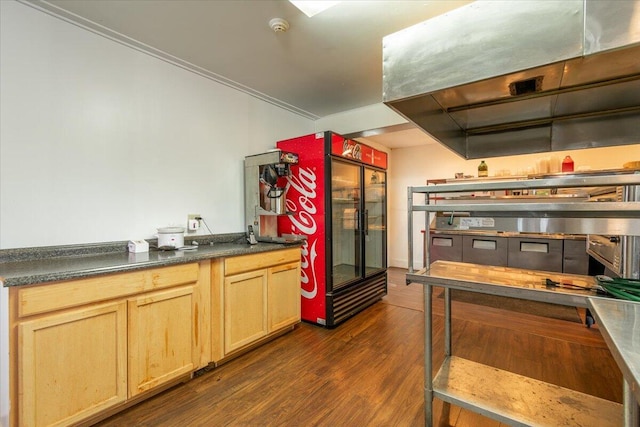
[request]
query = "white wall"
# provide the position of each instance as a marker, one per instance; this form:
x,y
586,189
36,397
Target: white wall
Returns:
x,y
373,116
413,166
100,142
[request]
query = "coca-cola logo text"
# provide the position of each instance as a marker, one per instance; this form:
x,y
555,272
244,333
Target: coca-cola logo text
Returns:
x,y
351,149
302,211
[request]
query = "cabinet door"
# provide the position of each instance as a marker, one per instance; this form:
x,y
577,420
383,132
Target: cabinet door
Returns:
x,y
284,296
160,338
245,309
485,250
535,254
575,259
72,365
447,247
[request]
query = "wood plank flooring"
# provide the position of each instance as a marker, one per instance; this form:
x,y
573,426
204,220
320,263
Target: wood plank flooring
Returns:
x,y
369,370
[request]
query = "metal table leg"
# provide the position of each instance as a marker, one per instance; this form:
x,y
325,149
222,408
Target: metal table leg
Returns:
x,y
631,408
447,322
428,362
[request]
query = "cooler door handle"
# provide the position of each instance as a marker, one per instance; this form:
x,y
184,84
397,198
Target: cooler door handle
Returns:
x,y
366,222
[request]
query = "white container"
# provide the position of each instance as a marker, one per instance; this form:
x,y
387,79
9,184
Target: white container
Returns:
x,y
555,164
543,165
171,237
138,246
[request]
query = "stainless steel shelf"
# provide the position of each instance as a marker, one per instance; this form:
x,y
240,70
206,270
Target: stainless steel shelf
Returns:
x,y
546,225
544,215
609,218
507,282
571,181
505,396
518,400
590,209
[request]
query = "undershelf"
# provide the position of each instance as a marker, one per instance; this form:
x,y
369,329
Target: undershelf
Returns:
x,y
518,400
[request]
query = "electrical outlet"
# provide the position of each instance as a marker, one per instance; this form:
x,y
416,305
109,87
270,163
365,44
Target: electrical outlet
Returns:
x,y
193,222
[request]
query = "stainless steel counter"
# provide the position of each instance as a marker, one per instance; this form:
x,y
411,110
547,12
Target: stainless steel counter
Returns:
x,y
505,396
620,326
582,217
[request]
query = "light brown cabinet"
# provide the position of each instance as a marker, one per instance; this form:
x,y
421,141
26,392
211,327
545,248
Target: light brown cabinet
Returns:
x,y
87,345
283,295
258,296
72,365
160,327
245,309
84,349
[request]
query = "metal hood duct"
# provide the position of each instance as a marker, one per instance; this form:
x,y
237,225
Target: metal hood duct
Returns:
x,y
497,78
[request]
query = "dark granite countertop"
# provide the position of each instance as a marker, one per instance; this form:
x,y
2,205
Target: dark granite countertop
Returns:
x,y
49,264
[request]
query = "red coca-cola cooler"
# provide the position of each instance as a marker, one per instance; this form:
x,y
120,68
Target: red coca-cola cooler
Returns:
x,y
337,198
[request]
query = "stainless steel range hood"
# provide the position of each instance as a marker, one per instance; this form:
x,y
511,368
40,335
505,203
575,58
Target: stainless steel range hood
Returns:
x,y
497,78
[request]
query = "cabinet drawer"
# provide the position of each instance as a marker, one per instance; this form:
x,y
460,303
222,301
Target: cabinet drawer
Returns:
x,y
536,254
485,250
56,296
575,259
447,247
242,263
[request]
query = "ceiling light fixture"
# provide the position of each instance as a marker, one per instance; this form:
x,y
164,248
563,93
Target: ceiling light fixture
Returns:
x,y
311,8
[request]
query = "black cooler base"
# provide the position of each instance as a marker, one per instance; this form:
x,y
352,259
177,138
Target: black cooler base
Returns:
x,y
347,302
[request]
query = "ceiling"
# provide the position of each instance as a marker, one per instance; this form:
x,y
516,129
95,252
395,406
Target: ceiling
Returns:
x,y
323,65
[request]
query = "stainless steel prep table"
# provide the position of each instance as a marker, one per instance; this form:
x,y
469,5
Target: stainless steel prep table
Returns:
x,y
465,383
499,394
620,326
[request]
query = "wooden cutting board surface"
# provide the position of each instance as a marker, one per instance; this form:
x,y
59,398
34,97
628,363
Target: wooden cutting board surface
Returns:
x,y
632,165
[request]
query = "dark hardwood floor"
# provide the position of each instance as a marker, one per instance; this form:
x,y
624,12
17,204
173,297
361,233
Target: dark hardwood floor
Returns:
x,y
369,370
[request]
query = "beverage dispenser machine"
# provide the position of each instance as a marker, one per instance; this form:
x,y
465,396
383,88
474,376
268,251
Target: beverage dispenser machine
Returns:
x,y
265,193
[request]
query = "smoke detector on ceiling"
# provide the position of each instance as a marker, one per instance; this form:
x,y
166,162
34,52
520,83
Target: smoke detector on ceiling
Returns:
x,y
279,25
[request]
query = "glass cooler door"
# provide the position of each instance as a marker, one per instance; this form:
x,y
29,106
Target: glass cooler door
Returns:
x,y
375,225
345,223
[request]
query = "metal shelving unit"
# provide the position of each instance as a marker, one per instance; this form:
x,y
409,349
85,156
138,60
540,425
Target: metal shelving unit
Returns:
x,y
499,394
